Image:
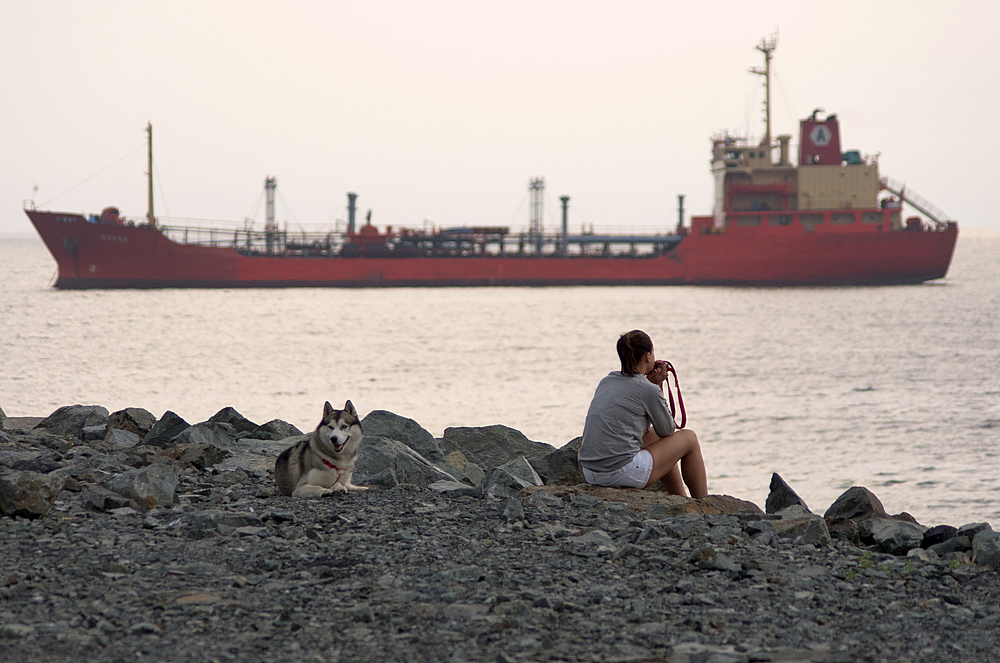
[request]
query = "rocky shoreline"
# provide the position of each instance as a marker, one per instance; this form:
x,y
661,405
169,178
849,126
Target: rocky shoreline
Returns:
x,y
126,537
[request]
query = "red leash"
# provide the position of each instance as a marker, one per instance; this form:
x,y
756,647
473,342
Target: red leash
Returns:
x,y
670,395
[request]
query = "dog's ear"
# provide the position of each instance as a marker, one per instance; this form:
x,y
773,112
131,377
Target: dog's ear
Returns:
x,y
349,407
327,410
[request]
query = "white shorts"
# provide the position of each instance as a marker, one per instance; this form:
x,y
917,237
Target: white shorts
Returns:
x,y
633,474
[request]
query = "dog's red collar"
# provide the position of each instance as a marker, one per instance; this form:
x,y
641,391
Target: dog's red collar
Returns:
x,y
329,464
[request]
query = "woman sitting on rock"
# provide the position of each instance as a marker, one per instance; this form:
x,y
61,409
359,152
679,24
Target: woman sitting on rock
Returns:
x,y
630,438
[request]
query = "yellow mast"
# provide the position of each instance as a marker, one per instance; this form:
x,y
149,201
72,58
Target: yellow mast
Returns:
x,y
149,175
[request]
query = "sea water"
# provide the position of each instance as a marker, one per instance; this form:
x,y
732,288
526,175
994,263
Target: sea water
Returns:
x,y
894,388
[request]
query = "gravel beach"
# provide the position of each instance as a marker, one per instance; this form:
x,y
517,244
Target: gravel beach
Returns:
x,y
224,569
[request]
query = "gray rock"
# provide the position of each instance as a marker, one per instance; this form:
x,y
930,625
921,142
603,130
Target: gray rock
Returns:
x,y
150,486
811,529
857,503
454,489
972,529
501,484
229,415
166,428
842,529
212,433
952,545
201,456
921,554
560,467
387,463
29,494
276,429
119,438
794,511
520,468
203,524
512,510
938,534
472,472
897,537
381,423
101,499
544,500
867,528
491,446
597,539
986,549
782,496
70,420
132,419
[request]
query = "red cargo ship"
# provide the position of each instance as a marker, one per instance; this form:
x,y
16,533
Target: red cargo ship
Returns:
x,y
830,220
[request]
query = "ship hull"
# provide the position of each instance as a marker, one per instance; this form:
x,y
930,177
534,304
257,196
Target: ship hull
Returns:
x,y
94,255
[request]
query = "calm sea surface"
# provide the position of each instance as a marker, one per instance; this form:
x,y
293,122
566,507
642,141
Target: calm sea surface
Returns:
x,y
894,388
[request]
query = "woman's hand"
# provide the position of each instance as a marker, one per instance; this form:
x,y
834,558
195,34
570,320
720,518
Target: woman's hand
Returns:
x,y
658,374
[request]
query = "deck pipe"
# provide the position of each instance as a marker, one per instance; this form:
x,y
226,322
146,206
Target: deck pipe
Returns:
x,y
565,224
351,197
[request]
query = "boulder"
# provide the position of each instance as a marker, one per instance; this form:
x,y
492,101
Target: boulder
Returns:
x,y
70,420
229,415
867,528
382,423
101,499
166,428
952,545
938,534
510,479
470,470
133,419
150,486
491,446
897,537
118,438
972,529
387,463
522,469
844,530
857,503
782,496
986,549
201,456
29,494
276,429
811,529
639,501
560,466
212,433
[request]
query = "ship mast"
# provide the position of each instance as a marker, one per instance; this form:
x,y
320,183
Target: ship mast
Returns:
x,y
149,175
766,47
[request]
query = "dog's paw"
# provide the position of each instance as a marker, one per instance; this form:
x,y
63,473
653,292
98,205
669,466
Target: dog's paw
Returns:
x,y
311,491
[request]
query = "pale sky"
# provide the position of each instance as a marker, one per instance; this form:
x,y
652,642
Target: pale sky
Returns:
x,y
443,110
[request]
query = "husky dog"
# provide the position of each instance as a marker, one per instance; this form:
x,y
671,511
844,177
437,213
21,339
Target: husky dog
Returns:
x,y
325,462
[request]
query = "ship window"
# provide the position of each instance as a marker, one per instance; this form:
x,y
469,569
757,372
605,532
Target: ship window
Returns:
x,y
842,217
810,221
872,217
894,221
748,220
779,220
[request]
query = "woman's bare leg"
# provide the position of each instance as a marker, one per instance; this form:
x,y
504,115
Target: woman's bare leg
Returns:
x,y
680,447
673,482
